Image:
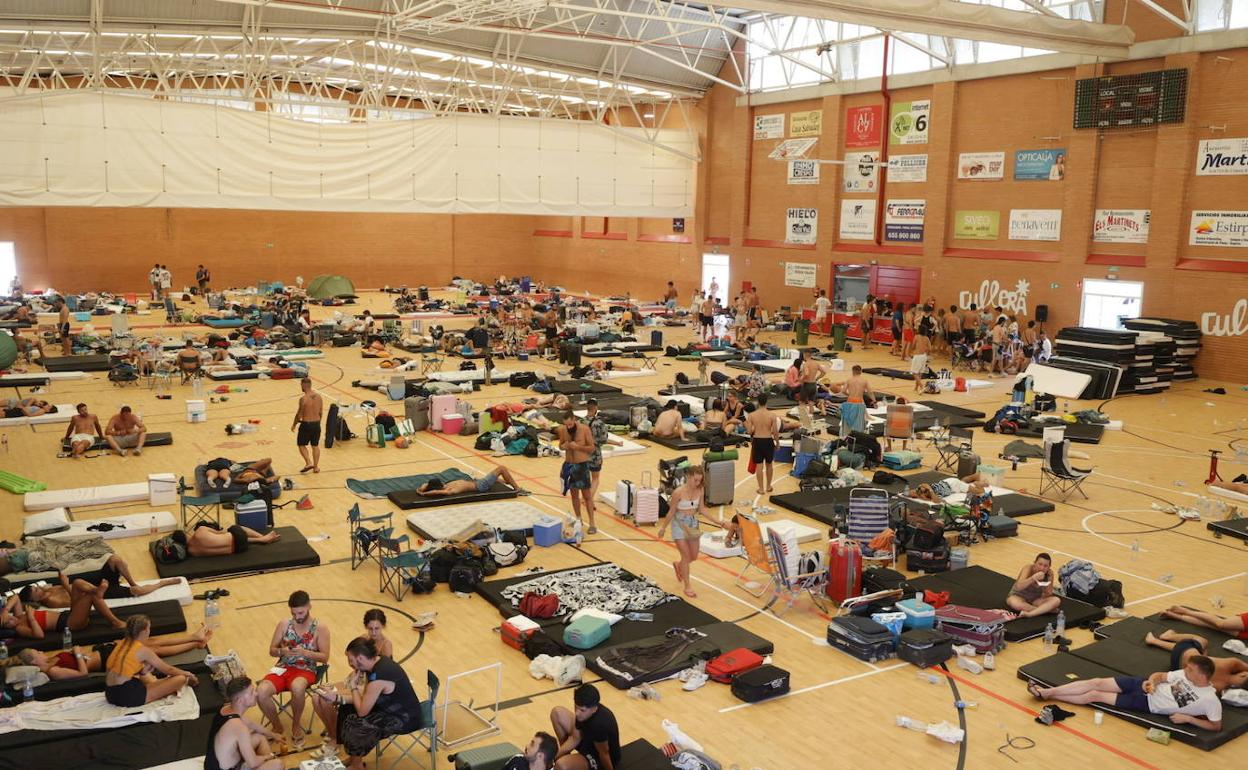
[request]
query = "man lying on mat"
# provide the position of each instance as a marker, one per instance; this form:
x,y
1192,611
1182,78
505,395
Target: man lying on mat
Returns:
x,y
440,488
25,407
1239,484
82,661
60,596
1235,625
31,623
1184,695
938,491
1032,593
208,539
1228,673
221,472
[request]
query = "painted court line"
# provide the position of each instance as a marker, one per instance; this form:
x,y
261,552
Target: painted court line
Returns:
x,y
1097,563
812,688
1187,588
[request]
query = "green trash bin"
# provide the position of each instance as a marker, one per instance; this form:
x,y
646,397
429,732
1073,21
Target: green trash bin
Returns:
x,y
801,330
839,333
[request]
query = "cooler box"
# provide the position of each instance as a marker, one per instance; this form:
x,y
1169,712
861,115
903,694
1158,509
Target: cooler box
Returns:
x,y
253,514
452,424
587,632
919,614
439,406
196,410
547,531
162,489
784,452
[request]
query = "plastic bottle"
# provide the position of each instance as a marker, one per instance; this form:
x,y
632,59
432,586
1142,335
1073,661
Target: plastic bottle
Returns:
x,y
152,527
1048,638
67,639
212,614
28,692
911,724
1061,623
1135,549
4,442
966,704
4,653
928,677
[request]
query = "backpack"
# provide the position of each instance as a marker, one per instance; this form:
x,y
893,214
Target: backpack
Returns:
x,y
168,551
535,605
539,643
464,576
386,421
343,431
467,366
927,535
522,379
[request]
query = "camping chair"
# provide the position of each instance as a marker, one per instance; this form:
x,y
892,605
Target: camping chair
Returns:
x,y
390,331
161,376
756,556
951,446
425,737
899,423
197,508
363,539
120,325
868,517
190,370
284,699
789,586
431,361
1057,473
398,564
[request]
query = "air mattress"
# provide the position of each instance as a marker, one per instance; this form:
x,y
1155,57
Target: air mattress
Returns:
x,y
444,522
410,499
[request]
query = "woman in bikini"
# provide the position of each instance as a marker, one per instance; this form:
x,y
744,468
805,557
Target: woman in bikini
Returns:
x,y
81,661
688,503
128,681
32,623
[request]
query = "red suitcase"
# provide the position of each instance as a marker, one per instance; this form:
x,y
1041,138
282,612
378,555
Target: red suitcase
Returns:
x,y
730,664
982,629
515,631
844,570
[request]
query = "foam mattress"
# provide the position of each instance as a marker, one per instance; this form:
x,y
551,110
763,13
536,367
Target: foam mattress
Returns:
x,y
80,497
180,593
62,414
290,552
442,523
123,525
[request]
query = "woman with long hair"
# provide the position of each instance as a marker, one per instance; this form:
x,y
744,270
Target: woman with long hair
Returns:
x,y
128,681
688,503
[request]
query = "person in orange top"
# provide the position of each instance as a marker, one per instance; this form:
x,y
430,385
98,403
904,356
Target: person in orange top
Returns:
x,y
128,678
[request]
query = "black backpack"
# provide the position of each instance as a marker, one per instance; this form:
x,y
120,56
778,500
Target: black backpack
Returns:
x,y
441,562
386,421
522,379
343,431
541,644
464,576
166,550
467,366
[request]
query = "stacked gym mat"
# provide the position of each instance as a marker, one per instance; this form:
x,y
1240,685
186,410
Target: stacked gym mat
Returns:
x,y
1184,335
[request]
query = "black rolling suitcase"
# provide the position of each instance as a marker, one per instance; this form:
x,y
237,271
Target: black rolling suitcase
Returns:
x,y
936,560
656,337
861,637
884,579
925,647
1002,526
760,683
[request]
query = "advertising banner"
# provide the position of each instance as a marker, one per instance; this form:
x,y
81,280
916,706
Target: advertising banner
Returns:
x,y
769,126
801,225
908,122
860,174
903,220
858,219
977,225
862,126
981,165
1041,165
1035,224
1120,225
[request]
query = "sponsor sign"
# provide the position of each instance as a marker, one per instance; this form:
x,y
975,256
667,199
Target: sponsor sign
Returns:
x,y
1042,165
981,165
977,225
769,126
1120,225
858,219
1219,228
803,172
801,225
908,122
1035,224
991,294
862,126
1233,325
907,168
1221,157
806,123
860,174
903,220
800,274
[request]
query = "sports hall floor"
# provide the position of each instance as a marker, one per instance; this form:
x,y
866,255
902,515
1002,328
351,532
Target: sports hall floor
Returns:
x,y
841,711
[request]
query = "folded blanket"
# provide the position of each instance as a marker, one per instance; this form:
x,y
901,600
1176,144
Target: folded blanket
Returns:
x,y
92,712
48,555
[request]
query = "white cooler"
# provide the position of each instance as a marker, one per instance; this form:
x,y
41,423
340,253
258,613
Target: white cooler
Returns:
x,y
162,489
196,410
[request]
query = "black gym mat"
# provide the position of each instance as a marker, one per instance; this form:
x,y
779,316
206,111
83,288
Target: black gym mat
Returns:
x,y
720,637
99,363
26,382
980,587
410,499
1234,527
291,551
601,353
1077,432
927,419
897,374
1125,655
572,387
689,442
641,754
958,410
1012,505
141,745
1134,629
193,661
166,617
153,439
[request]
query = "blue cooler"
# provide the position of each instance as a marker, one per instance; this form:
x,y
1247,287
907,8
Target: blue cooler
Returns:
x,y
547,531
253,514
784,453
919,614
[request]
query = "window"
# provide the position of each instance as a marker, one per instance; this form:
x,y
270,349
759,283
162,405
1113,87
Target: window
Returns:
x,y
309,108
225,97
1107,303
1217,15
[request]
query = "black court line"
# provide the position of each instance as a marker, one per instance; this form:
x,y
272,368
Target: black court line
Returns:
x,y
420,640
966,738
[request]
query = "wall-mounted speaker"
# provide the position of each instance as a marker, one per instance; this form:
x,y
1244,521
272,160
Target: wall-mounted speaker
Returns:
x,y
1042,313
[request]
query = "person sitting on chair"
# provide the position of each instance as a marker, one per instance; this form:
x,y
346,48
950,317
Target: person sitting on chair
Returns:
x,y
188,360
300,644
1228,673
1032,593
669,423
82,661
440,488
1184,695
234,741
125,431
221,472
208,539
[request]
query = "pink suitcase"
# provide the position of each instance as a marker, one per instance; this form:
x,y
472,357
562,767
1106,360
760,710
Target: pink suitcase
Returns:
x,y
440,406
646,501
982,629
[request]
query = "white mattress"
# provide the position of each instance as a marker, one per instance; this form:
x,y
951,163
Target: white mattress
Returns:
x,y
50,375
1057,382
441,522
62,414
722,355
617,374
181,593
1229,494
619,450
697,404
804,533
882,411
712,544
84,496
772,364
469,375
632,345
135,525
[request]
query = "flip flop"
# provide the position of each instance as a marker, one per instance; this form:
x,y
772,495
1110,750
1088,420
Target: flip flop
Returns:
x,y
305,469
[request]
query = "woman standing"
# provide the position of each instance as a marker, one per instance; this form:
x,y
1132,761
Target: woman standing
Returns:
x,y
687,504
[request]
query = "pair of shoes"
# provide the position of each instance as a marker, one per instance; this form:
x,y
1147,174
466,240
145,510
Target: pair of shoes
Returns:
x,y
695,680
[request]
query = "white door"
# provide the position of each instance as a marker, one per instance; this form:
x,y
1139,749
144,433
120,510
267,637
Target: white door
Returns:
x,y
8,266
715,271
1107,303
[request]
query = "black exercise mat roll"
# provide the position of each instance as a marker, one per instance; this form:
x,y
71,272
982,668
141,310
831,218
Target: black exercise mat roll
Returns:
x,y
958,410
98,363
290,551
1235,527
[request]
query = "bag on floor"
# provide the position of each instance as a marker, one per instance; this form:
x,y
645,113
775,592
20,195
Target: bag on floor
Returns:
x,y
925,647
982,629
516,631
586,632
936,560
492,757
507,554
343,430
732,664
760,684
535,605
464,576
885,579
1106,593
624,491
927,535
968,463
376,435
646,501
862,638
168,551
540,643
844,570
720,482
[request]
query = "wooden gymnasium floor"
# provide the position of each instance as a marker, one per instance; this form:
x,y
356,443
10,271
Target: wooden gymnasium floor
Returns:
x,y
841,711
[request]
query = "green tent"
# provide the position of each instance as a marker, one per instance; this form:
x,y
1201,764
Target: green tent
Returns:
x,y
328,286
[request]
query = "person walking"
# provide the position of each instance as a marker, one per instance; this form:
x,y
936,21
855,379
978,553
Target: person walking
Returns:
x,y
307,423
688,504
577,442
201,278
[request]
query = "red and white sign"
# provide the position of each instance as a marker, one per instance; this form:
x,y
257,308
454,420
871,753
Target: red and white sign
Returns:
x,y
864,126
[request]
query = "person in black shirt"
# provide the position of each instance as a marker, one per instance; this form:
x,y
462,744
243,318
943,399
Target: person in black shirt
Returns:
x,y
233,740
375,702
538,755
589,736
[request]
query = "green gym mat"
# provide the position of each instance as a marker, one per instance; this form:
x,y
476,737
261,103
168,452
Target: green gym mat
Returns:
x,y
374,489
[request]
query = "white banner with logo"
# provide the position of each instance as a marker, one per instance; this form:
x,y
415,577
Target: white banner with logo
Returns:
x,y
769,126
801,225
1219,228
803,172
903,220
1035,224
907,168
981,165
860,173
1222,157
1120,225
800,274
858,219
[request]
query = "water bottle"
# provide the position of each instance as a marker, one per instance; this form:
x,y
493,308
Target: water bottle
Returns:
x,y
28,692
212,614
962,705
4,653
152,526
1135,549
4,442
1061,623
929,678
1048,638
67,639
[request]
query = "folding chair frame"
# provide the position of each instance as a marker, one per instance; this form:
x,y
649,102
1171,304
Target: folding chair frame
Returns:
x,y
950,451
762,566
428,733
790,587
397,564
1064,480
364,547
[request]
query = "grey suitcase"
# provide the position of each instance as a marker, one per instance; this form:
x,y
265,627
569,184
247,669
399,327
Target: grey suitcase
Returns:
x,y
720,482
491,757
968,464
416,409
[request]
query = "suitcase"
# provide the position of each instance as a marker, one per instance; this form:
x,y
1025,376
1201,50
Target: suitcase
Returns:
x,y
439,406
1002,526
885,579
919,614
720,482
760,684
928,561
968,463
925,647
416,409
732,664
492,757
586,632
656,337
515,631
927,535
863,638
645,501
844,570
624,492
983,629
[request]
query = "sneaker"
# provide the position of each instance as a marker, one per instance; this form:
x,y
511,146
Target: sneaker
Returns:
x,y
964,650
990,662
970,665
328,750
695,680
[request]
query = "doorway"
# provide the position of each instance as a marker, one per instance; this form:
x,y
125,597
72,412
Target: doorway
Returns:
x,y
8,266
1107,303
715,271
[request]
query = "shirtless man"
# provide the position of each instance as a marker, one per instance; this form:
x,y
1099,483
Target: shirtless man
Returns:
x,y
669,297
669,423
1228,673
812,370
970,324
918,360
235,741
761,425
209,539
62,327
188,358
82,430
126,431
706,317
308,422
439,488
854,410
577,442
